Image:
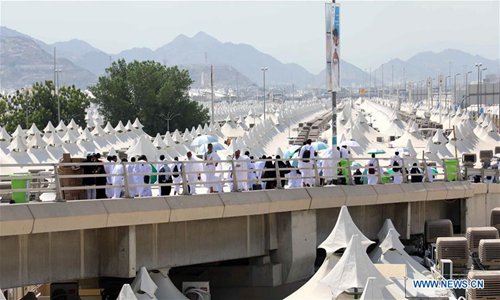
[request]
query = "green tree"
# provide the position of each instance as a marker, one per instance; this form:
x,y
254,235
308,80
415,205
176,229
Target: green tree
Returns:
x,y
38,105
149,91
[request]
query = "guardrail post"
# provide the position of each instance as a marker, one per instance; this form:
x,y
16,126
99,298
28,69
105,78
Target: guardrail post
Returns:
x,y
126,193
184,179
349,172
444,171
403,171
425,171
317,179
278,176
379,173
233,176
57,181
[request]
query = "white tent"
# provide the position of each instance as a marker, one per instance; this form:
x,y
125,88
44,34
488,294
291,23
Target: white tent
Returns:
x,y
49,128
143,146
19,132
126,293
72,125
166,289
137,124
385,229
342,232
159,143
4,135
353,270
36,141
34,130
108,128
143,286
373,291
18,144
439,137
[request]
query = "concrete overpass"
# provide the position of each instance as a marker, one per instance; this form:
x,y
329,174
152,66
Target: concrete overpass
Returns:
x,y
278,229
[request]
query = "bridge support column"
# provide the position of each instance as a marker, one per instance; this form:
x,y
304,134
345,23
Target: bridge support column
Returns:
x,y
296,244
117,252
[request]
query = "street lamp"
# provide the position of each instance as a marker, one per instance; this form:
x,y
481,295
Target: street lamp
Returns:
x,y
467,90
56,84
445,91
477,100
168,117
455,88
264,69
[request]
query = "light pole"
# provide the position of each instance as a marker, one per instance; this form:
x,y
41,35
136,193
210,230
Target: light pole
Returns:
x,y
264,69
445,91
481,90
467,90
455,88
477,100
168,117
56,87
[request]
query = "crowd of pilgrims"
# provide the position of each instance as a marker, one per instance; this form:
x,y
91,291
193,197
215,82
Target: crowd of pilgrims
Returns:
x,y
250,174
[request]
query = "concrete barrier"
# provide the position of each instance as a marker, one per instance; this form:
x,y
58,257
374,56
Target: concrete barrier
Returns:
x,y
414,192
326,197
245,204
389,193
195,207
15,219
360,195
123,212
289,200
436,190
71,215
456,190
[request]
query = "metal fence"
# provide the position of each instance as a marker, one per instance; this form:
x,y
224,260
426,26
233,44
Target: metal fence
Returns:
x,y
66,180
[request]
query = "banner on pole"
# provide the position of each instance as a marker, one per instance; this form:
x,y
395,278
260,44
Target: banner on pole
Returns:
x,y
332,22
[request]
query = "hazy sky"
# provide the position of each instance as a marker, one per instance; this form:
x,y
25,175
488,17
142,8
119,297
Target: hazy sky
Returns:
x,y
372,32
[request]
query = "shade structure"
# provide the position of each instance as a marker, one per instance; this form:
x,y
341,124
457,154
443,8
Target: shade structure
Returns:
x,y
373,290
385,229
126,293
36,141
143,286
203,139
204,148
34,130
353,270
49,128
166,289
143,146
342,232
18,144
318,146
291,151
350,143
159,143
137,124
376,151
120,127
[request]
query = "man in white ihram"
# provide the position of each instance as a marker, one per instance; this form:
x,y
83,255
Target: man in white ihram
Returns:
x,y
306,164
192,169
241,170
330,164
211,161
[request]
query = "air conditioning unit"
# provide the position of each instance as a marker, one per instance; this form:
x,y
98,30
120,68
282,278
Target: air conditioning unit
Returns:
x,y
491,290
495,218
380,139
475,234
454,249
489,253
438,228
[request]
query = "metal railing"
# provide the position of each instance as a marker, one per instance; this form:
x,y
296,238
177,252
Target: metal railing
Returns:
x,y
66,180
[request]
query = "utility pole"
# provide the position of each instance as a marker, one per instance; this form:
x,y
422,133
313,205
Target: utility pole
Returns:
x,y
479,65
264,69
467,99
455,88
212,92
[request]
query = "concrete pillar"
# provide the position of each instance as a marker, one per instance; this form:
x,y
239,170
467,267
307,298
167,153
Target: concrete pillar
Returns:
x,y
296,244
117,252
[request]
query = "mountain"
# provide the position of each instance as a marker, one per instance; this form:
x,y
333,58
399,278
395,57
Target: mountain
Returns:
x,y
431,64
84,55
23,62
224,75
350,76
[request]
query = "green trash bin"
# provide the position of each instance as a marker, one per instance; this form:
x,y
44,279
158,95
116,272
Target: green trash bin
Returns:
x,y
20,181
451,169
344,166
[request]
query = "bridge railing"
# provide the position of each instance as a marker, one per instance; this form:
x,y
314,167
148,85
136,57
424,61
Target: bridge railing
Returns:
x,y
67,181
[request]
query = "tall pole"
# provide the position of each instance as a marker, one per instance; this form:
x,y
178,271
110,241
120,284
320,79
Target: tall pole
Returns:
x,y
264,69
392,79
485,98
55,89
455,88
383,89
477,99
212,93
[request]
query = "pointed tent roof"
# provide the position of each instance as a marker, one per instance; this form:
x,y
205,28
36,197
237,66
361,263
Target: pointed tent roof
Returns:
x,y
168,140
37,141
120,127
385,229
61,126
18,144
4,135
176,137
143,146
70,137
18,132
72,125
108,128
144,284
158,142
98,131
49,128
33,130
439,137
166,289
86,135
126,293
430,147
137,124
54,140
342,232
353,269
129,126
411,149
392,242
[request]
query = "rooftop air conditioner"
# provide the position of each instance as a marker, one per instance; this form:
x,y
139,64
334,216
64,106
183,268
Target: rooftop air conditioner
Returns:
x,y
489,253
438,228
380,139
454,249
491,290
475,234
495,218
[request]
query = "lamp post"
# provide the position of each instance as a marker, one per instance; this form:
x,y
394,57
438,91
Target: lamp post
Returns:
x,y
168,117
455,88
264,69
477,100
481,90
467,90
56,88
445,92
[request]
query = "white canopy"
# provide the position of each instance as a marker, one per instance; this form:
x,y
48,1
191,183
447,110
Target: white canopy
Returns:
x,y
137,124
385,229
49,128
166,289
18,144
72,125
126,293
373,291
34,130
4,135
342,232
439,137
61,126
353,269
36,141
108,128
143,286
143,146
